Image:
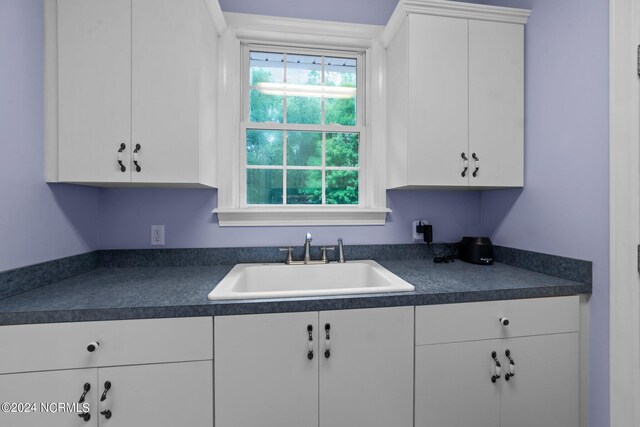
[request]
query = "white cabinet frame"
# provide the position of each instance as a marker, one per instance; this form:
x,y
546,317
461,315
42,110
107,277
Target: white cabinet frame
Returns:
x,y
624,229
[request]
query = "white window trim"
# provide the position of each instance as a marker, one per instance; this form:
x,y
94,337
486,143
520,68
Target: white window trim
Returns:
x,y
254,29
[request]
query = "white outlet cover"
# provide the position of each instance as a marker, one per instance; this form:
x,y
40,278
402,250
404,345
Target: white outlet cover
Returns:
x,y
157,235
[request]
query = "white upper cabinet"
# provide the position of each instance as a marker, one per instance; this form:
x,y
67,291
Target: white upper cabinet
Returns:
x,y
137,84
455,96
94,85
496,104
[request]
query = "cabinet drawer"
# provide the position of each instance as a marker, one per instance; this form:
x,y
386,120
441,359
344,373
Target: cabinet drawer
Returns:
x,y
481,320
26,348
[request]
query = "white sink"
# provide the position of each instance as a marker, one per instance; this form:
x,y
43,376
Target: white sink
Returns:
x,y
247,281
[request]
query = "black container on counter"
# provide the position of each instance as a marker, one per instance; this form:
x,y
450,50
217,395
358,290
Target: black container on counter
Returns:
x,y
476,250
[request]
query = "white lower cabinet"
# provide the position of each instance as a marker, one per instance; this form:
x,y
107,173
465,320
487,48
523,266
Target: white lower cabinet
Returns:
x,y
170,394
453,385
469,383
178,391
332,368
48,388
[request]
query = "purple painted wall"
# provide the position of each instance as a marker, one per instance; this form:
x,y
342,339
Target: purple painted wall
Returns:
x,y
358,11
126,216
38,222
564,207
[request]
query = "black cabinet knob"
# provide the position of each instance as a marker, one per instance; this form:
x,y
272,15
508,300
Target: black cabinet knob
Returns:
x,y
85,416
107,414
93,346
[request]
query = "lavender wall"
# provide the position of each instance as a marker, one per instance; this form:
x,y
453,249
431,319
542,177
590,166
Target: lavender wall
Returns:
x,y
564,207
38,222
126,216
358,11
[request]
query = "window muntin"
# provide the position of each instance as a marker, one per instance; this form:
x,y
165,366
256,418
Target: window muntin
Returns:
x,y
302,128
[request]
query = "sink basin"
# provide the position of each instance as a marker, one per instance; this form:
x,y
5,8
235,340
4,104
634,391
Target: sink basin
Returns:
x,y
246,281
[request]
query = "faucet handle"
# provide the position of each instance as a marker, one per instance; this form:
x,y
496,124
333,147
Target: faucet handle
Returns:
x,y
340,251
324,253
289,251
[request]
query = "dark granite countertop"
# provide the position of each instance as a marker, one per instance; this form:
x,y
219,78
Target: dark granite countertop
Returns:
x,y
181,291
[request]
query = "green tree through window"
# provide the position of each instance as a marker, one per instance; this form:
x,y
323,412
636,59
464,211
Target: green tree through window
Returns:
x,y
324,94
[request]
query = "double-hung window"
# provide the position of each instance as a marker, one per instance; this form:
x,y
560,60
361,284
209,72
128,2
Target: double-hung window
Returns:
x,y
302,128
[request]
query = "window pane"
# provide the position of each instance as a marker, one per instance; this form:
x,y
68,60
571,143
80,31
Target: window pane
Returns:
x,y
304,187
342,149
265,108
342,187
264,186
340,72
304,148
340,111
340,79
304,110
266,67
304,69
264,147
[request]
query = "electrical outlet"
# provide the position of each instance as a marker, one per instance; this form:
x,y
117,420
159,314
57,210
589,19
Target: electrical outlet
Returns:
x,y
157,235
415,236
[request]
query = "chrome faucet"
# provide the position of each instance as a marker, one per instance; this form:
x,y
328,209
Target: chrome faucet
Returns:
x,y
307,254
307,248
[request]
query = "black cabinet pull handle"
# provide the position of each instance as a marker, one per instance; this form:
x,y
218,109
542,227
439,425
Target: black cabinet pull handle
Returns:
x,y
84,415
123,168
465,164
135,157
327,341
107,414
107,387
310,342
87,387
477,162
512,366
497,369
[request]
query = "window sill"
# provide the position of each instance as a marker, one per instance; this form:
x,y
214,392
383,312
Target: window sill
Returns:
x,y
280,216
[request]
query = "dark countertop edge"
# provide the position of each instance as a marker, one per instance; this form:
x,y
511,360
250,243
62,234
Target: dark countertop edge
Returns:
x,y
286,306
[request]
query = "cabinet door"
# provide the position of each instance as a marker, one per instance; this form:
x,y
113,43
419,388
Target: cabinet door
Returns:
x,y
49,388
438,100
94,89
366,379
453,386
162,395
496,103
263,376
544,391
165,90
